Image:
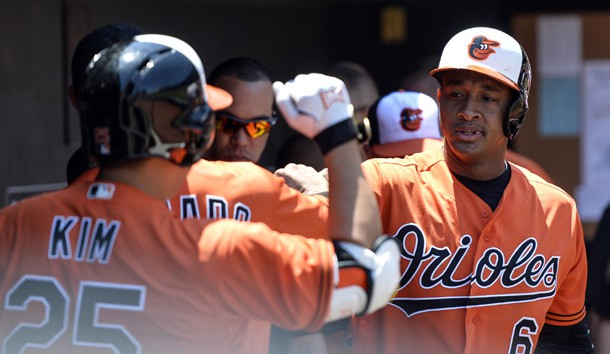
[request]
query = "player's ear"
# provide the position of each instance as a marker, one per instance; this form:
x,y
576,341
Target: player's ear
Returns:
x,y
438,95
72,96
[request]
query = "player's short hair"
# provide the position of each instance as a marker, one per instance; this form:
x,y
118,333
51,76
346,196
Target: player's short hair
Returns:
x,y
242,68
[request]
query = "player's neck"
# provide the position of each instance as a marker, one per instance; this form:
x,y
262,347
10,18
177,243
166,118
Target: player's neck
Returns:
x,y
157,177
476,169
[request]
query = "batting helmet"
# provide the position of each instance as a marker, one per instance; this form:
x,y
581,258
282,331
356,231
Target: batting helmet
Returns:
x,y
496,54
123,78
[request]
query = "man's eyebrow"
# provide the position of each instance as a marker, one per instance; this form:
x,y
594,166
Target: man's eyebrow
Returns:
x,y
453,81
491,86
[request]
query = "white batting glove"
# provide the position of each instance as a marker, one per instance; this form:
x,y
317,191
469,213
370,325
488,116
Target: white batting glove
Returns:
x,y
303,178
371,277
313,102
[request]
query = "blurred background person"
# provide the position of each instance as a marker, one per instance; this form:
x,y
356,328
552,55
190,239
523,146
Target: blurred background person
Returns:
x,y
403,123
301,150
362,90
598,287
361,86
419,80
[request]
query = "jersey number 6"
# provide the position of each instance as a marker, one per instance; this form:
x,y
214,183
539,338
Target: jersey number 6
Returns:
x,y
521,342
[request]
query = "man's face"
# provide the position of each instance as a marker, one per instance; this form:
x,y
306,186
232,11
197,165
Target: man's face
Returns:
x,y
472,110
250,100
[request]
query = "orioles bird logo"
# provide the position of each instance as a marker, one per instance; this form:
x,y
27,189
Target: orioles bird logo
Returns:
x,y
410,119
481,48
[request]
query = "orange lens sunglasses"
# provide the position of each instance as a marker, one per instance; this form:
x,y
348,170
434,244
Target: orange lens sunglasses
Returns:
x,y
255,127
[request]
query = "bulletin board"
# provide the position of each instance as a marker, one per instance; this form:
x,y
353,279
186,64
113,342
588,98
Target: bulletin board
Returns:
x,y
562,150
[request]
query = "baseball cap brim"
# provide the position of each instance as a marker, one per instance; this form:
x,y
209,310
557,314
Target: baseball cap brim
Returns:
x,y
218,98
482,70
406,147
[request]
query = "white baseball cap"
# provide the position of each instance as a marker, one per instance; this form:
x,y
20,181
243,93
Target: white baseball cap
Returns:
x,y
403,123
485,50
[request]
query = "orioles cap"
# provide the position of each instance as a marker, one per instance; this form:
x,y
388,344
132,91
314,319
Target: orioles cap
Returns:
x,y
484,50
403,123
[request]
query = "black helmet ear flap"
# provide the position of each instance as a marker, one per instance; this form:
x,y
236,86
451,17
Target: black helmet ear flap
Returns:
x,y
517,111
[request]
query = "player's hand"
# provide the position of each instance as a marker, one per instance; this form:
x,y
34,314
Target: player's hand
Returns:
x,y
313,102
304,178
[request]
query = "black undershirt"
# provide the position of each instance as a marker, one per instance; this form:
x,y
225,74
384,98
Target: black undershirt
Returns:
x,y
490,191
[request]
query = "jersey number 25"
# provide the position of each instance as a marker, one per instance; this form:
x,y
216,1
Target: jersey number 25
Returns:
x,y
92,296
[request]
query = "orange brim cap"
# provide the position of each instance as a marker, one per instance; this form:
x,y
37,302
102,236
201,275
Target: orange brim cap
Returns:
x,y
218,98
406,147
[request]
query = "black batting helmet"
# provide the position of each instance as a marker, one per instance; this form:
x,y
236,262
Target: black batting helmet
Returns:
x,y
121,79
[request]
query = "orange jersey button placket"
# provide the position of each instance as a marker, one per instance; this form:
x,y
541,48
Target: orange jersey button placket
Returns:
x,y
485,214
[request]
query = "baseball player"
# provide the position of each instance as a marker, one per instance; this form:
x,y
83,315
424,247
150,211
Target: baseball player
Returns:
x,y
242,129
102,266
247,192
403,123
493,256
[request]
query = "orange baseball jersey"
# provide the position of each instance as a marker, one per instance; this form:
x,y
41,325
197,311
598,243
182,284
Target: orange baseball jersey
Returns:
x,y
102,268
245,191
474,280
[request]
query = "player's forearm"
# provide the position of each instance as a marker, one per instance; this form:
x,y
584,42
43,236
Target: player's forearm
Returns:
x,y
354,214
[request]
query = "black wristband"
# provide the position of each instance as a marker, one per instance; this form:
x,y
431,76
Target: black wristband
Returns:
x,y
336,135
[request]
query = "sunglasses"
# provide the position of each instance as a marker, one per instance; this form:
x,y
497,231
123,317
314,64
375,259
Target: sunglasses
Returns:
x,y
255,127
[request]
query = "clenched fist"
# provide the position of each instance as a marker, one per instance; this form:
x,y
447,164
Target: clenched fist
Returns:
x,y
312,103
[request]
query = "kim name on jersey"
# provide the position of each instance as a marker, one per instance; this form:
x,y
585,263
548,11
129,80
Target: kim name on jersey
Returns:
x,y
437,267
95,239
